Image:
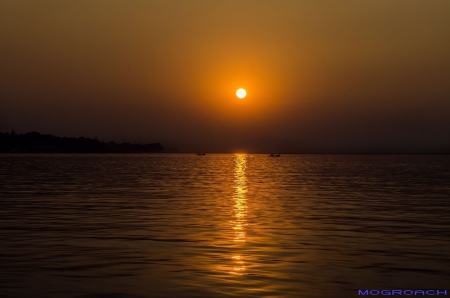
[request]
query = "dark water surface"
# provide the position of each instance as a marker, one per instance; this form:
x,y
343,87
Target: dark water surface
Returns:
x,y
182,225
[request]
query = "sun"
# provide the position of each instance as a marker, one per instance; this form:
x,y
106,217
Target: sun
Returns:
x,y
241,93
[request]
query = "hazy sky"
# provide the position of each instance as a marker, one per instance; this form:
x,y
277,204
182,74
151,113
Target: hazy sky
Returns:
x,y
321,76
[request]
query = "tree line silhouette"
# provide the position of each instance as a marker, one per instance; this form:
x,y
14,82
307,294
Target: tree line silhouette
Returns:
x,y
34,142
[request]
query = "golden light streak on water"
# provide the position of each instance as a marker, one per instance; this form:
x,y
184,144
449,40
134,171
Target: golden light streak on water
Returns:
x,y
240,209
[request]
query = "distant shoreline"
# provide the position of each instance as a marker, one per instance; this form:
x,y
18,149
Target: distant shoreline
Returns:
x,y
34,142
223,153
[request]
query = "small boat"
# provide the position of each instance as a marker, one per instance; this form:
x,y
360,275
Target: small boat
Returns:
x,y
201,153
274,155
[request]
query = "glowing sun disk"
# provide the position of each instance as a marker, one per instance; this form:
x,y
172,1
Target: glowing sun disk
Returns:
x,y
241,93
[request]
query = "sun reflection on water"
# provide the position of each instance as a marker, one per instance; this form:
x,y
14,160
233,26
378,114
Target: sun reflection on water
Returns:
x,y
240,210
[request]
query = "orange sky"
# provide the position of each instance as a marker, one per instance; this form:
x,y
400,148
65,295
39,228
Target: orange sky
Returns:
x,y
321,76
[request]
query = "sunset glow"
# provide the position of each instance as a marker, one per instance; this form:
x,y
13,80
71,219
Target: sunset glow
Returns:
x,y
261,78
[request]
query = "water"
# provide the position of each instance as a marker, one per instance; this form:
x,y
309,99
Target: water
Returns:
x,y
182,225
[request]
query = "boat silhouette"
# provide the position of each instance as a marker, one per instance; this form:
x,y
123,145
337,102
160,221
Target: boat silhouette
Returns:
x,y
275,155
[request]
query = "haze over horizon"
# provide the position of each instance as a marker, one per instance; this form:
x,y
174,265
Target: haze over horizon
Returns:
x,y
320,76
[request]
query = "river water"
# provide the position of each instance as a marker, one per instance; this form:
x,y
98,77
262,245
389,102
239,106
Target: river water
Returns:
x,y
222,225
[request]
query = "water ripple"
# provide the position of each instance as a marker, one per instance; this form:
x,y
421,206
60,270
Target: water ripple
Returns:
x,y
180,225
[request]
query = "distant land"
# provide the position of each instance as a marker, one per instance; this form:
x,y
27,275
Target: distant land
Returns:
x,y
34,142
